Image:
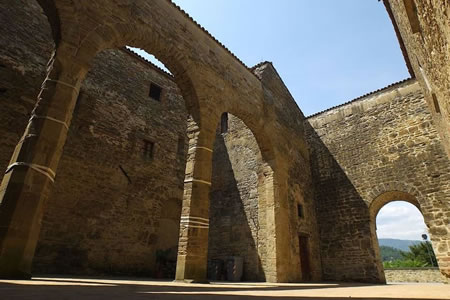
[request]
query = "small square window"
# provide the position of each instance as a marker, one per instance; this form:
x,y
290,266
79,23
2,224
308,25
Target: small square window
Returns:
x,y
148,149
300,212
155,92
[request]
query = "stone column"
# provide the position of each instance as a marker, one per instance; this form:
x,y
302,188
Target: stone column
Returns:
x,y
194,225
31,172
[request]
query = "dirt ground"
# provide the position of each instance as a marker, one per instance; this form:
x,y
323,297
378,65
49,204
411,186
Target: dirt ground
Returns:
x,y
83,288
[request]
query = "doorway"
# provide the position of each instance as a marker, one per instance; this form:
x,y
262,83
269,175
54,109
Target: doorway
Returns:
x,y
305,264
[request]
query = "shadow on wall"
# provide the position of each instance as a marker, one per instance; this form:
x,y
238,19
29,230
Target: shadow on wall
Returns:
x,y
347,250
234,224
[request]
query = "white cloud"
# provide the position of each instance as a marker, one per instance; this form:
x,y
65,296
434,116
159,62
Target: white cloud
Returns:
x,y
400,220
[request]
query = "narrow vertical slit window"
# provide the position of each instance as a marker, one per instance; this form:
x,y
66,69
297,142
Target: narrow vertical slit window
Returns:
x,y
148,149
300,212
180,147
224,123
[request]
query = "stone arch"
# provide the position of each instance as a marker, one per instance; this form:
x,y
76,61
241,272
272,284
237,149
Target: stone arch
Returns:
x,y
241,182
390,187
134,181
260,133
82,43
389,196
120,35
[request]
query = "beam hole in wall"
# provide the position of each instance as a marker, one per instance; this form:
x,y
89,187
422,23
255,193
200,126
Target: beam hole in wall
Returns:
x,y
411,10
398,238
437,109
3,90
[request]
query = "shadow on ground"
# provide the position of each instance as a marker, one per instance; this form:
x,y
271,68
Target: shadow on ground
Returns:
x,y
65,288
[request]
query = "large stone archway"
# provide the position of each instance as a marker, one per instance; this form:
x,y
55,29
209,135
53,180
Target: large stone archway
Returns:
x,y
375,206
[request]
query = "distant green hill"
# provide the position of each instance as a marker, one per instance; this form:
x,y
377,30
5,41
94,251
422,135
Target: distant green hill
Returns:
x,y
398,244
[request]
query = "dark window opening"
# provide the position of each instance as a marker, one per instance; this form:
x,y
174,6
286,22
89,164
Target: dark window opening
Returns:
x,y
155,92
224,123
3,90
300,211
411,10
149,148
436,103
180,147
2,66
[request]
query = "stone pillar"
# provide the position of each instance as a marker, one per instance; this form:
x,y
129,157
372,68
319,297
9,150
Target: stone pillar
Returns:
x,y
194,225
30,175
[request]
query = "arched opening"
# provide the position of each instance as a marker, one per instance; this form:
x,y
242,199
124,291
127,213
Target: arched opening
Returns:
x,y
400,235
120,179
237,204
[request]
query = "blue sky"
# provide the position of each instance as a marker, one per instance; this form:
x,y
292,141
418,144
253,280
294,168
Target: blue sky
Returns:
x,y
327,52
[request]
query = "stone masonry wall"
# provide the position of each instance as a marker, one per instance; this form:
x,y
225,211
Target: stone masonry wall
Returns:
x,y
124,204
425,32
413,275
238,226
383,142
112,207
299,189
109,201
234,223
23,59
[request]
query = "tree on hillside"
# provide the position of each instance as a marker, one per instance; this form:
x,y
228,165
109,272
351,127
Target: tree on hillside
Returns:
x,y
390,253
423,253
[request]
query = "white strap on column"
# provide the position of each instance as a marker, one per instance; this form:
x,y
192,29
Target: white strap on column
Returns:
x,y
194,222
198,181
51,119
63,83
201,147
38,168
26,137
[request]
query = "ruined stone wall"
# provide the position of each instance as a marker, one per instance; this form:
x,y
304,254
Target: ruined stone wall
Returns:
x,y
425,32
241,222
298,186
112,207
382,142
